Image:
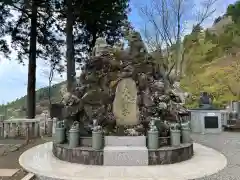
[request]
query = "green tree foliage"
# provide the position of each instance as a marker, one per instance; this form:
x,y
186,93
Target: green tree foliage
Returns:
x,y
233,10
33,31
213,65
93,19
84,21
31,36
4,15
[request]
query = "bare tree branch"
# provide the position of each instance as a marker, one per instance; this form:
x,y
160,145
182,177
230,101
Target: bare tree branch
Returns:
x,y
166,17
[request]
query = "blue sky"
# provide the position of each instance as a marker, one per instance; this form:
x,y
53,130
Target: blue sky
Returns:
x,y
13,77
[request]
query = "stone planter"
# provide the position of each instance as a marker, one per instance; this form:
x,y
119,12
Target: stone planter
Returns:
x,y
97,140
74,137
175,137
153,142
186,138
59,135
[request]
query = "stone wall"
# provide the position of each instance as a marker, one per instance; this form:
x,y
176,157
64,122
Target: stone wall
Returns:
x,y
88,156
87,141
170,155
20,128
81,155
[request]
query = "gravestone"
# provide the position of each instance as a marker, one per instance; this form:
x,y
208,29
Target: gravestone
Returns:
x,y
125,106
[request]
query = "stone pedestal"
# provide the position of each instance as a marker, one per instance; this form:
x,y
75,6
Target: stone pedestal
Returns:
x,y
125,141
42,128
49,127
125,151
97,140
36,129
59,135
186,135
54,126
125,156
175,137
153,142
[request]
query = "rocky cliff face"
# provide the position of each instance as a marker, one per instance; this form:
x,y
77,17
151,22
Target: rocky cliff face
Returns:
x,y
94,98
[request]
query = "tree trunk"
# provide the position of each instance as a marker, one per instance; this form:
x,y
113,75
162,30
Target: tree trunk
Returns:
x,y
181,68
70,47
31,99
94,38
178,40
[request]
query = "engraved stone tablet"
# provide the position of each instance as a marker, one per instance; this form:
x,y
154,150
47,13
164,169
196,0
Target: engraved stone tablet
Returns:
x,y
125,106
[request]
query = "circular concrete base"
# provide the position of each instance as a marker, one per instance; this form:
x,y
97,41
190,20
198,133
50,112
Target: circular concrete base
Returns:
x,y
40,161
89,156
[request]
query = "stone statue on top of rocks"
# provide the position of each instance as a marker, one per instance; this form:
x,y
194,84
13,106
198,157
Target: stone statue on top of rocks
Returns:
x,y
136,44
100,47
177,91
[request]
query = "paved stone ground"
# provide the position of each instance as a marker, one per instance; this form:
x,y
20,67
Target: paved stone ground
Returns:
x,y
40,161
229,144
10,150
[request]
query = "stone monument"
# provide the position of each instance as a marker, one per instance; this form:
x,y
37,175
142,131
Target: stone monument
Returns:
x,y
123,90
120,90
125,150
125,106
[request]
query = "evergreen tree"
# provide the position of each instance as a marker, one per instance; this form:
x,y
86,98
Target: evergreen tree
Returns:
x,y
233,10
84,22
32,37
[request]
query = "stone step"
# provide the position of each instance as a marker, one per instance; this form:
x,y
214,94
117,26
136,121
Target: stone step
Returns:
x,y
29,176
125,156
8,172
125,140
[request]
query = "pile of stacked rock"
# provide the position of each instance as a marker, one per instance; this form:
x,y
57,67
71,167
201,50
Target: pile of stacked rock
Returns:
x,y
122,88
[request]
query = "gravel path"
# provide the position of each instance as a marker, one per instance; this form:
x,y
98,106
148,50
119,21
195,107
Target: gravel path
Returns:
x,y
229,144
10,159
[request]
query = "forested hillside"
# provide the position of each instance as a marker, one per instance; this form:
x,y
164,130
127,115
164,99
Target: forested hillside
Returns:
x,y
17,108
212,62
